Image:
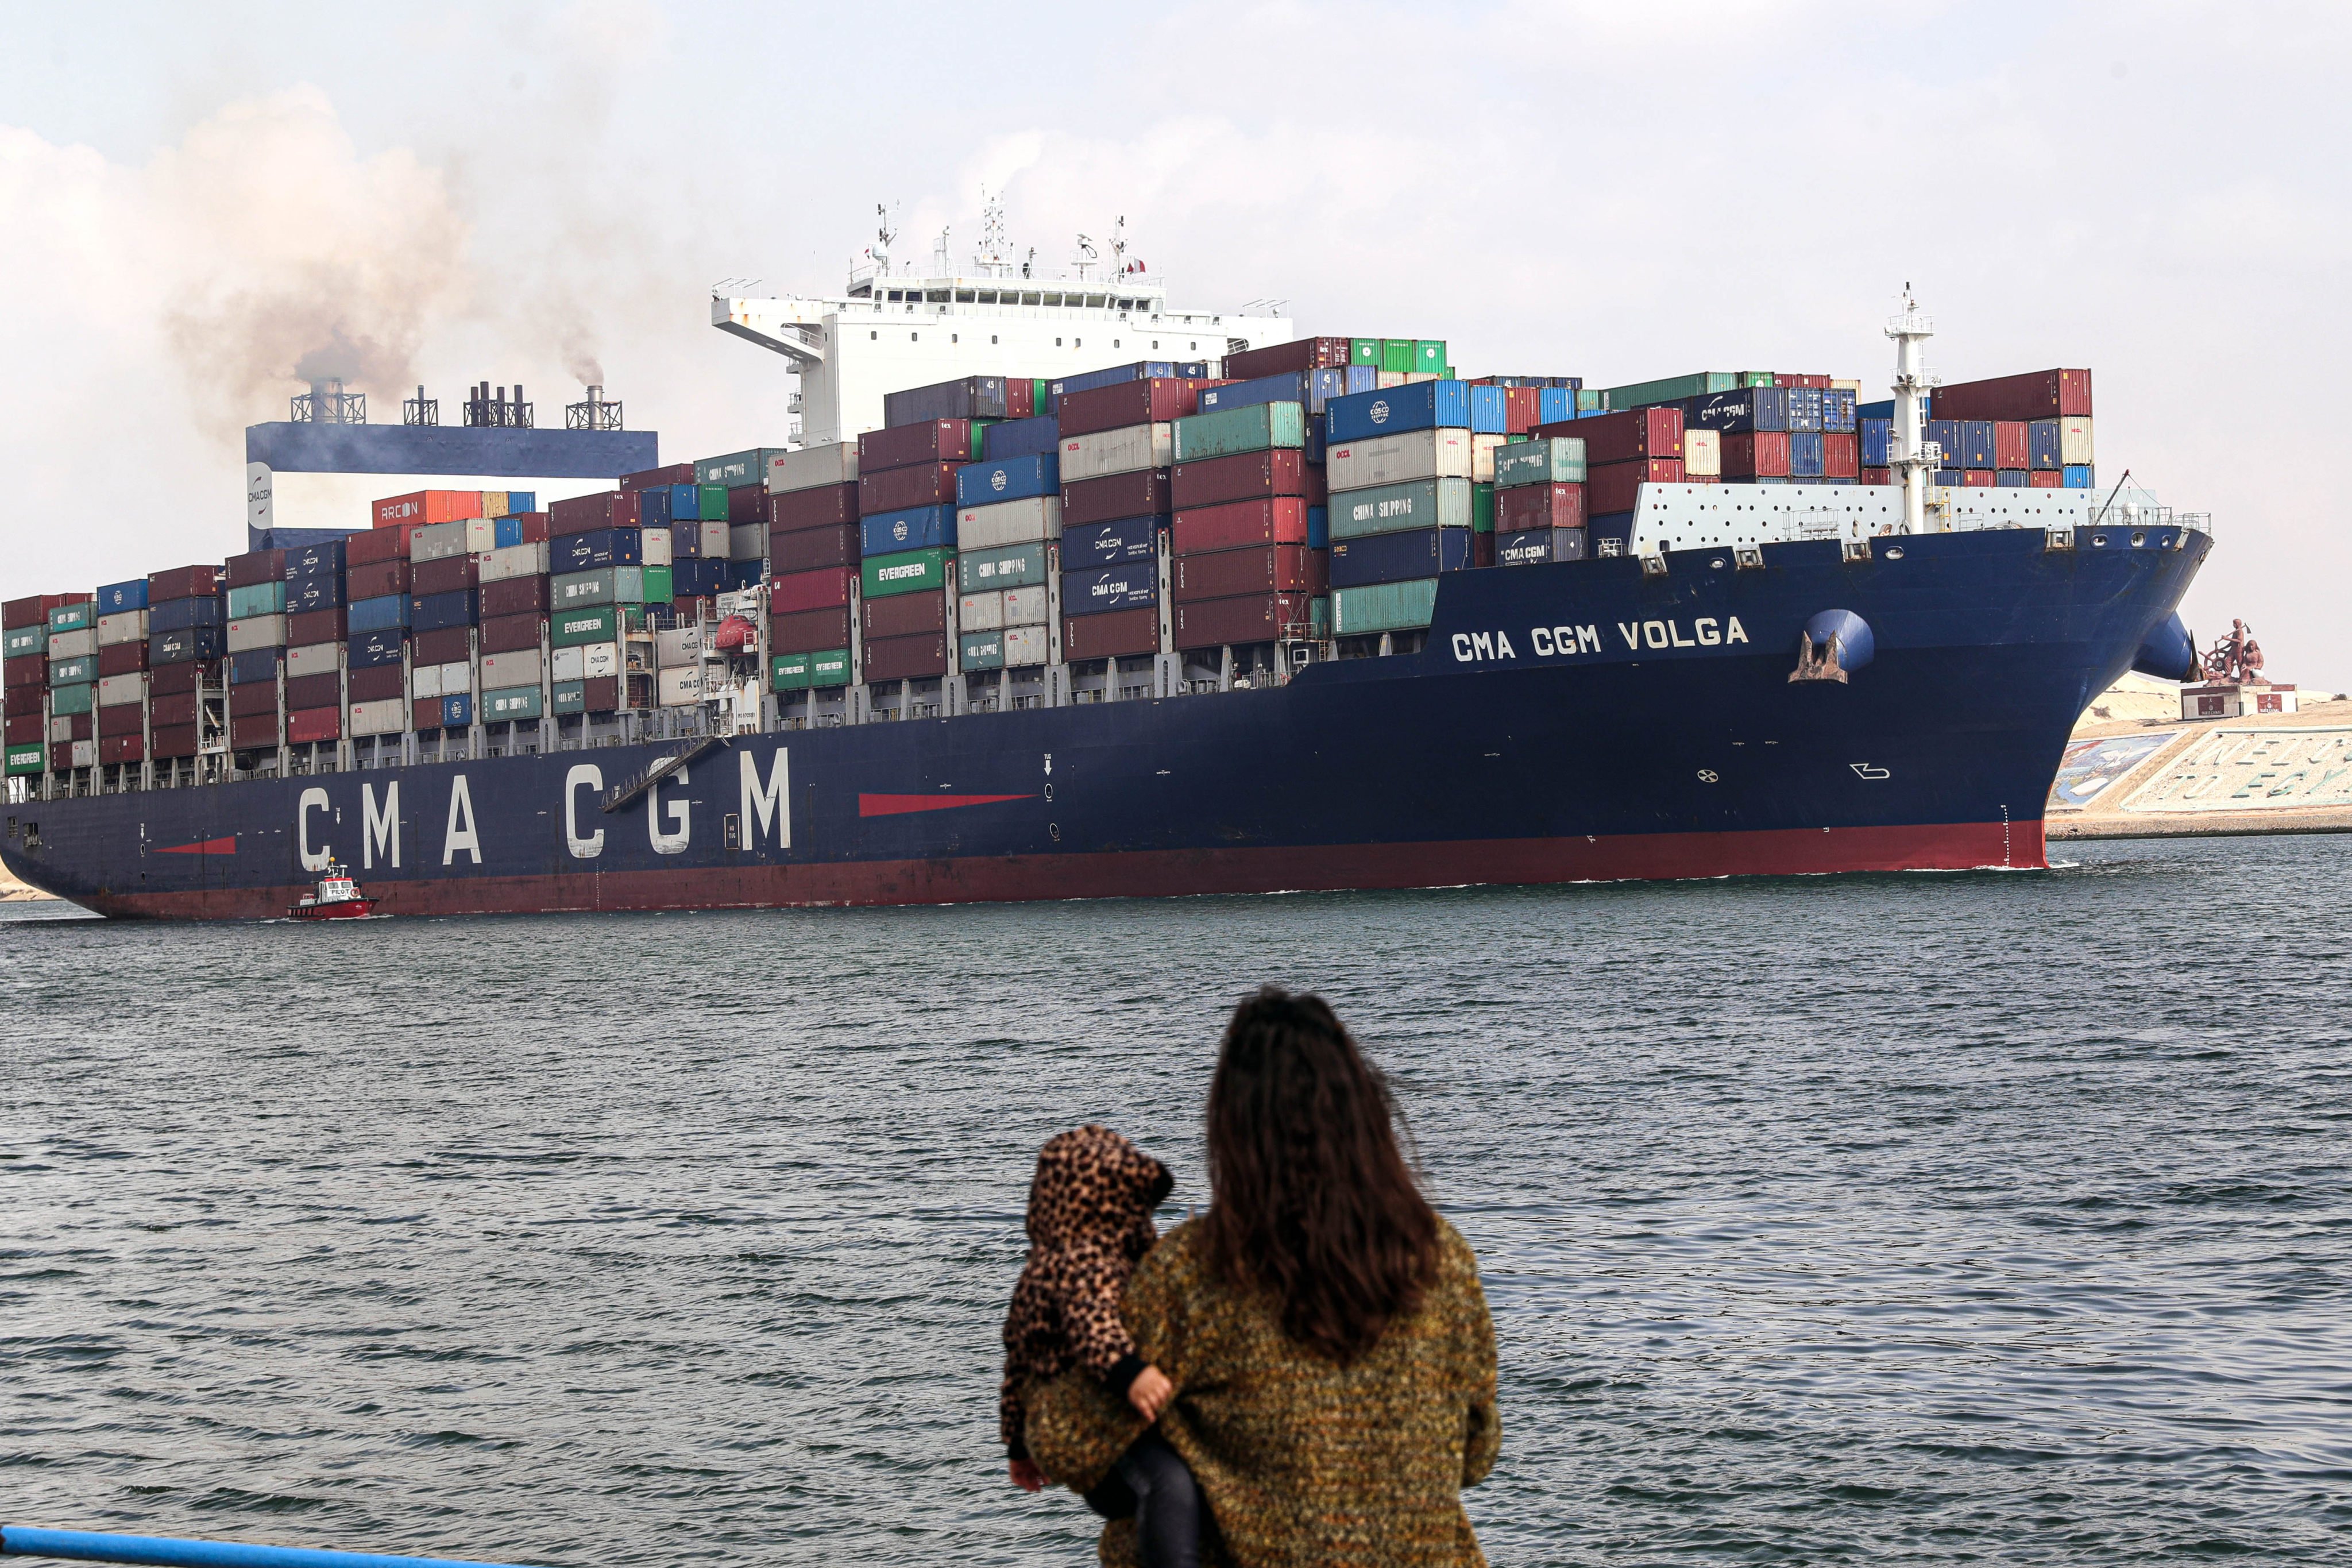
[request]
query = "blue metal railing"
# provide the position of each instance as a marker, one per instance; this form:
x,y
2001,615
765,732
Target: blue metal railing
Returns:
x,y
163,1551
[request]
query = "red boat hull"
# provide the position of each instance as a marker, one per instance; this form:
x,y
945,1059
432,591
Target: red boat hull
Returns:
x,y
344,909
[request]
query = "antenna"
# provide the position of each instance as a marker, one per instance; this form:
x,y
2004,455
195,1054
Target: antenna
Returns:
x,y
991,255
883,234
1084,260
1119,249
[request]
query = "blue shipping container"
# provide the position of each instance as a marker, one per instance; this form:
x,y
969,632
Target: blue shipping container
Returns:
x,y
917,528
1315,388
1087,380
599,547
1009,479
117,598
306,561
1318,528
436,612
697,578
2013,479
188,643
1804,407
385,614
1020,439
1804,454
1966,443
1952,479
1737,413
457,713
1877,441
654,505
1115,544
741,575
1609,533
1554,404
1883,409
321,591
506,530
1490,411
1114,588
520,501
1399,557
1837,410
2078,477
1417,405
2043,445
685,500
179,615
684,541
374,649
254,664
1537,546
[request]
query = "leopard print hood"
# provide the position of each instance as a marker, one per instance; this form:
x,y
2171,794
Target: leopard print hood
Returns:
x,y
1093,1185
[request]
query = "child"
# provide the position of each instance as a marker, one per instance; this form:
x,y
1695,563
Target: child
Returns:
x,y
1089,1224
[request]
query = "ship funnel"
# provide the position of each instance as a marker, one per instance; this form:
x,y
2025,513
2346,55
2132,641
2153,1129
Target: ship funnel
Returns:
x,y
328,403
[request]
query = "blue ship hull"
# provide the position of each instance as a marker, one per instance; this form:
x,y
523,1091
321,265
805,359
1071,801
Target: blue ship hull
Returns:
x,y
1575,721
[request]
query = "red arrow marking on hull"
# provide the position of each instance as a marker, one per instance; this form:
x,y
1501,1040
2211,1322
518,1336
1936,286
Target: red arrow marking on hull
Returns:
x,y
898,805
209,847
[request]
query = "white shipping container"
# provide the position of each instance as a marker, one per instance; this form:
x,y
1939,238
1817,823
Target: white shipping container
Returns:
x,y
457,678
1702,452
385,716
74,645
85,753
438,541
1120,451
1024,646
1025,606
316,658
743,541
130,626
1388,378
980,612
658,547
62,727
2073,447
520,668
256,631
481,535
115,690
564,663
1025,521
680,687
810,466
514,561
597,659
425,681
1397,459
677,647
1482,458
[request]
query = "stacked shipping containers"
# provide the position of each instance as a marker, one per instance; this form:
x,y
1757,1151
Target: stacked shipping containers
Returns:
x,y
905,541
814,550
1404,462
187,625
1246,567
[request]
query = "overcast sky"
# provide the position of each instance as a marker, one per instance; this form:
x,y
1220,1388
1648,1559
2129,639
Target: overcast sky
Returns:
x,y
196,198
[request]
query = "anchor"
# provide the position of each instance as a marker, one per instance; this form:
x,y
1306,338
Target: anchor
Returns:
x,y
1833,644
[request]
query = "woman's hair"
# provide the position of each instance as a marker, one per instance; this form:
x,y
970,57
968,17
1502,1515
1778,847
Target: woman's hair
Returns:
x,y
1311,1198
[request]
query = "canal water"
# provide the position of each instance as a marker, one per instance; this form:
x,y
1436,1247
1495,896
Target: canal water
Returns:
x,y
1923,1219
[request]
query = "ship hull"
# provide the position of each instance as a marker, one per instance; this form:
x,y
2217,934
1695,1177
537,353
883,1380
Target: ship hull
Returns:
x,y
1582,722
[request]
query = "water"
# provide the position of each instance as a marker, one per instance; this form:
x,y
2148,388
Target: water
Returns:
x,y
1910,1219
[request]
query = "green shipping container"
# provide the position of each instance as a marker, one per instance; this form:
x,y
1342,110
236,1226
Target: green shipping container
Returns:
x,y
1587,402
1013,566
1259,427
710,500
74,618
910,572
605,585
1384,607
1481,509
735,469
584,624
73,671
1559,460
1364,351
80,698
1429,354
1757,378
1399,508
660,585
1399,355
570,696
511,702
789,671
20,641
830,667
257,599
26,759
1671,389
981,650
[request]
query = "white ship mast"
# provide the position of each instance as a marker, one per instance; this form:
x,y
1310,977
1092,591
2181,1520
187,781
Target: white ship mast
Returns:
x,y
1910,453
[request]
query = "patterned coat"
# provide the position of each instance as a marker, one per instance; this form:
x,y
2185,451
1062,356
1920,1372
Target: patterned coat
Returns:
x,y
1303,1462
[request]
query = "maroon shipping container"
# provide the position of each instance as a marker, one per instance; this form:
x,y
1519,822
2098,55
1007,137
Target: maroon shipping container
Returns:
x,y
123,659
1019,397
824,589
1254,618
825,506
602,694
1120,634
120,719
446,645
22,699
30,611
177,740
675,474
1482,549
1615,486
450,574
812,631
895,490
1261,569
377,579
25,669
269,565
251,698
1841,454
317,725
586,514
60,756
1524,507
384,683
324,689
2035,478
1138,492
371,545
904,615
425,713
746,503
78,726
2037,395
114,749
515,597
1980,479
533,525
1299,354
183,583
1622,437
806,550
907,658
176,680
903,446
1245,476
1886,477
1236,525
1761,454
22,728
507,634
1125,402
2009,445
1522,408
255,732
1792,379
308,626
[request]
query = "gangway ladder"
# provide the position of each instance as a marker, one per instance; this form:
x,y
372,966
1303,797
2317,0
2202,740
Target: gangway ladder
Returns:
x,y
621,796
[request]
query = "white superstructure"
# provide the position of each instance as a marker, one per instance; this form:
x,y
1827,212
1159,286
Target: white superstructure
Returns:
x,y
901,325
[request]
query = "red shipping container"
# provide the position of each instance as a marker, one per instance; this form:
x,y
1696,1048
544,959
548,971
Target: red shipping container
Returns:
x,y
1482,550
1877,477
25,669
1019,397
60,756
183,583
250,697
1748,455
318,724
310,627
78,726
324,689
506,634
1125,402
2042,479
1140,492
120,719
1841,455
24,728
602,694
514,596
1821,382
1120,634
1522,408
269,565
895,490
1622,437
178,741
586,514
1979,478
907,658
1615,486
1251,618
1245,476
122,658
254,734
2008,446
675,474
533,525
824,506
1524,507
2037,395
22,699
746,503
366,548
1236,525
929,441
1299,354
444,644
425,713
166,710
821,590
806,550
1262,569
378,578
812,631
384,683
450,574
904,615
425,508
30,611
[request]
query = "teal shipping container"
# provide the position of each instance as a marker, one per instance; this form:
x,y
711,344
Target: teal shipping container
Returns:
x,y
1558,460
1258,427
76,699
80,616
1012,566
1396,509
605,585
257,599
570,697
1669,389
1384,607
511,702
981,650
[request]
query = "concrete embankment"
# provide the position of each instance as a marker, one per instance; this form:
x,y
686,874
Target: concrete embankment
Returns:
x,y
2136,769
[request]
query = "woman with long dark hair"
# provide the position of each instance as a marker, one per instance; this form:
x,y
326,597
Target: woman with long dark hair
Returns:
x,y
1330,1347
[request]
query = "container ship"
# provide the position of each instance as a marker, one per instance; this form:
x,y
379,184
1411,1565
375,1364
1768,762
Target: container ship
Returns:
x,y
1212,607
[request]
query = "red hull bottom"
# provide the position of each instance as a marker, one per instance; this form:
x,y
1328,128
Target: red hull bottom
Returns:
x,y
346,910
1945,846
